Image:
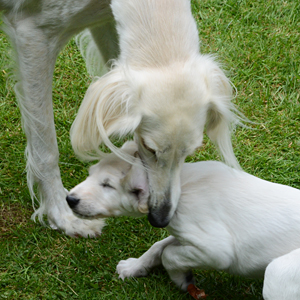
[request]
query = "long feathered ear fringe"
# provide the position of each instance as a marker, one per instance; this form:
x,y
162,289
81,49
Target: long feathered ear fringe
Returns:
x,y
108,109
95,63
222,117
220,122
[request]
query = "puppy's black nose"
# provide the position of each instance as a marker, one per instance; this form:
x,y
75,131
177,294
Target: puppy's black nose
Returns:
x,y
72,201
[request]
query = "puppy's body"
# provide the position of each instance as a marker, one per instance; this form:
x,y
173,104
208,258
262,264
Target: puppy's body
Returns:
x,y
239,222
225,220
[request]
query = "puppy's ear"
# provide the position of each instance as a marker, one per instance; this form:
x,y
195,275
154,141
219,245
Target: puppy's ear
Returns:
x,y
221,116
108,108
131,148
137,183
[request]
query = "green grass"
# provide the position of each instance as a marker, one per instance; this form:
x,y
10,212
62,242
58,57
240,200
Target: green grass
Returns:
x,y
258,43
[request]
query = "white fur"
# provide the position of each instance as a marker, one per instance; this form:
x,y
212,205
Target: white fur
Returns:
x,y
282,277
164,91
225,219
39,29
160,87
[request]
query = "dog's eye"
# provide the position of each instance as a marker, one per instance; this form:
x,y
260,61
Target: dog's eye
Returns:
x,y
148,148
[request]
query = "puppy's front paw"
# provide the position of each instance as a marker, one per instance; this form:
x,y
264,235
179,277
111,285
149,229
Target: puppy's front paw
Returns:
x,y
132,267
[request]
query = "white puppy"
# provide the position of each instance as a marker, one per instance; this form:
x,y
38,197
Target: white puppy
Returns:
x,y
225,220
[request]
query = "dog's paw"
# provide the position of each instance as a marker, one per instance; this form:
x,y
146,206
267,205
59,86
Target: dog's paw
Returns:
x,y
59,215
61,218
132,267
74,226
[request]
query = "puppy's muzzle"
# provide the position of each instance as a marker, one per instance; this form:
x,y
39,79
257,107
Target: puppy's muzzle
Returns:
x,y
72,201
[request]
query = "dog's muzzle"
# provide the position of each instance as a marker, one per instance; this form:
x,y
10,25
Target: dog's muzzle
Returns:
x,y
72,201
159,217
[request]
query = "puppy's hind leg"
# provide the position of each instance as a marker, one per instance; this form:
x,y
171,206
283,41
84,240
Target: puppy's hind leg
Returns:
x,y
282,277
139,267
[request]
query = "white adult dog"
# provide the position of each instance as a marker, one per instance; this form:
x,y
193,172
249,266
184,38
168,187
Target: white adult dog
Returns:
x,y
225,220
160,87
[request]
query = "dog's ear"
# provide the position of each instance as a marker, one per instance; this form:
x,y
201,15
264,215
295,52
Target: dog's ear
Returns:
x,y
221,115
137,183
108,109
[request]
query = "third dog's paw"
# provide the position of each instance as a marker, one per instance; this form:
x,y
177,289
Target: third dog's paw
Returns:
x,y
132,267
61,218
74,226
84,228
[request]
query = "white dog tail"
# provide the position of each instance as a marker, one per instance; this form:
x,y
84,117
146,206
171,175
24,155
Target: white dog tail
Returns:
x,y
95,63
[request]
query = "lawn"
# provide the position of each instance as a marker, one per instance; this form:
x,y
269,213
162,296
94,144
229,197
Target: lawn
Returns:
x,y
258,44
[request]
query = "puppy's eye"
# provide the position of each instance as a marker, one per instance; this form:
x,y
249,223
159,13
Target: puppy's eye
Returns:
x,y
105,184
136,192
148,148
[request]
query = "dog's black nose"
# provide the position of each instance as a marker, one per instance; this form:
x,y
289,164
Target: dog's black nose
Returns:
x,y
159,217
72,201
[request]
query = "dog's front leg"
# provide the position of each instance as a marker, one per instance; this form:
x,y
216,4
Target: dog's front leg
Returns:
x,y
179,261
139,267
37,48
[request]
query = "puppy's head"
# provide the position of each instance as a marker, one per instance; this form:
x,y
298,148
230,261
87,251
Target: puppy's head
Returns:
x,y
113,188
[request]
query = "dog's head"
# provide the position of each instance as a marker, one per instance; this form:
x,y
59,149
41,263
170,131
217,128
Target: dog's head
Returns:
x,y
113,188
167,108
